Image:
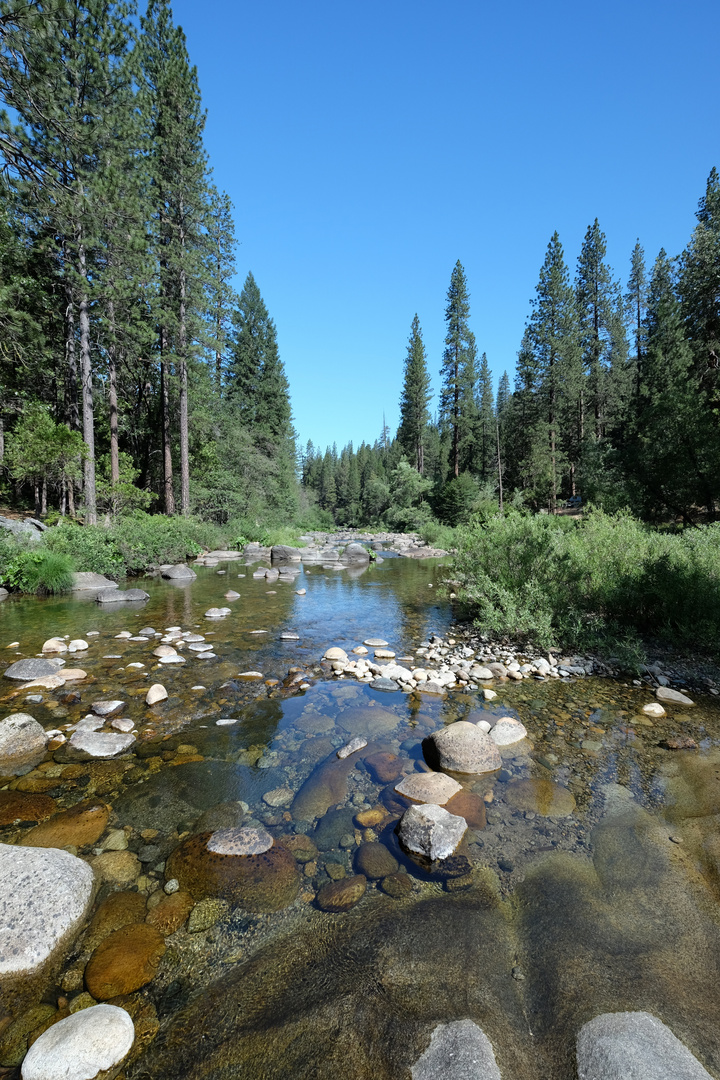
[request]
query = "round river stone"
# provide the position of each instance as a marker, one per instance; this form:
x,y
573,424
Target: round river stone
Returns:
x,y
126,960
81,1045
243,841
80,825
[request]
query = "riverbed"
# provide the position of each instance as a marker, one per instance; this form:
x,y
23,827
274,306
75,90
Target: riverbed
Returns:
x,y
587,881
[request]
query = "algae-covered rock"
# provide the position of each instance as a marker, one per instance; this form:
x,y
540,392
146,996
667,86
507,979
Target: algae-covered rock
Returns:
x,y
326,786
341,895
25,806
264,882
205,914
541,796
120,909
171,912
375,861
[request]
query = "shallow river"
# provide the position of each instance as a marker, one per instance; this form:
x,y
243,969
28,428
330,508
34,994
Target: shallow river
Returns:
x,y
587,881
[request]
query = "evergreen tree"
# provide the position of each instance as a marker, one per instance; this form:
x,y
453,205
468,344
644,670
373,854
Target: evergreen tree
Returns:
x,y
457,402
594,294
486,465
221,270
416,395
636,300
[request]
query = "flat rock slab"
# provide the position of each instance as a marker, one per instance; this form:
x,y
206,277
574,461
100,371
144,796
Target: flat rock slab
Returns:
x,y
633,1046
31,668
85,745
376,642
22,744
387,685
106,708
44,897
457,1051
121,596
664,693
85,581
224,555
429,830
428,787
80,1046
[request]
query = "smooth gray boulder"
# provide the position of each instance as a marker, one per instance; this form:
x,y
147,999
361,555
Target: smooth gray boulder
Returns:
x,y
463,747
80,1046
29,529
86,581
459,1050
674,697
45,894
633,1046
355,553
223,555
3,593
32,668
121,596
22,744
179,572
106,708
428,787
429,830
283,553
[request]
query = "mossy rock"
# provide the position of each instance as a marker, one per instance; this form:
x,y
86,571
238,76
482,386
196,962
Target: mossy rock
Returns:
x,y
341,895
375,861
25,806
260,883
81,825
126,960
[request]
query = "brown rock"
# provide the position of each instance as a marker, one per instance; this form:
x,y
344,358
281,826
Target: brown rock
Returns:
x,y
117,867
541,796
384,767
370,722
124,961
468,805
325,787
120,909
22,806
82,824
679,743
302,847
397,885
375,861
341,895
266,882
36,783
171,912
366,819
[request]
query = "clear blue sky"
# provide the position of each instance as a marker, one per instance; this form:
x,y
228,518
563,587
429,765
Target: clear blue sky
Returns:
x,y
369,145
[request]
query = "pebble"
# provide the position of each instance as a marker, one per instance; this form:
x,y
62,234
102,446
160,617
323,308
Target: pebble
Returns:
x,y
342,895
352,747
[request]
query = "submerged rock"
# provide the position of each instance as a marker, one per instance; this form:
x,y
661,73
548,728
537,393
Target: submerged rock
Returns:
x,y
459,1050
81,1045
541,796
25,806
22,744
30,669
325,787
124,596
431,831
85,745
341,895
375,861
82,824
44,898
264,882
633,1046
242,841
126,960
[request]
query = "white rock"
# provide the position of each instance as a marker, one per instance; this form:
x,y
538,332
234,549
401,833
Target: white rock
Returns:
x,y
165,650
45,894
226,721
674,697
171,886
483,725
653,708
507,731
633,1046
99,744
336,654
375,642
80,1046
122,725
176,659
462,747
489,695
22,744
352,747
459,1050
78,645
157,692
429,787
107,708
55,645
429,830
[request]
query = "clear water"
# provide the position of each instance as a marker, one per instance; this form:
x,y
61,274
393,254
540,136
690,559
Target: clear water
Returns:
x,y
593,886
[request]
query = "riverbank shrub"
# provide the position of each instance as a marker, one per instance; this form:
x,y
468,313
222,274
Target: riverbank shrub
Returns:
x,y
38,571
559,580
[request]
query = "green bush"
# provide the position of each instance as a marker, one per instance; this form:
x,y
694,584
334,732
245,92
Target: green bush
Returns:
x,y
145,540
440,536
606,577
91,547
39,571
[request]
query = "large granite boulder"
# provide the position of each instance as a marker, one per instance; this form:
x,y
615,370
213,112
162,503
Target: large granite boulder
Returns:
x,y
179,572
121,596
86,581
464,748
457,1051
355,553
429,830
22,744
283,553
31,668
30,529
633,1046
45,895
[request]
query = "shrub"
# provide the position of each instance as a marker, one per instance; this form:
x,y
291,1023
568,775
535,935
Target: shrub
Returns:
x,y
440,536
608,577
39,571
91,547
145,540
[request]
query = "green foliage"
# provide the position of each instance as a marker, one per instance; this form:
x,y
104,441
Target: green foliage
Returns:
x,y
604,579
123,496
91,548
438,535
39,572
145,539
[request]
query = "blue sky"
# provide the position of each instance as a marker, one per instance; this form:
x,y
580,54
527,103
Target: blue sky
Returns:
x,y
368,146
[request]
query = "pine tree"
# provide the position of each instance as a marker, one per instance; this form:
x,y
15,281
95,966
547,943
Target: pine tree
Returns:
x,y
486,423
594,292
636,300
457,403
221,270
416,395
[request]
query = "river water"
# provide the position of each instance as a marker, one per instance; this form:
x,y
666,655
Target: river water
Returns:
x,y
587,881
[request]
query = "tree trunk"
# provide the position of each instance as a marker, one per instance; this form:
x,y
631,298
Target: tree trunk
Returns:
x,y
2,440
112,373
167,449
87,399
71,376
499,464
71,497
36,499
456,419
43,497
184,439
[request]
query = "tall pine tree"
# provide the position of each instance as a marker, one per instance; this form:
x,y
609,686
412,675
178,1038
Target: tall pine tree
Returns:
x,y
416,395
457,399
